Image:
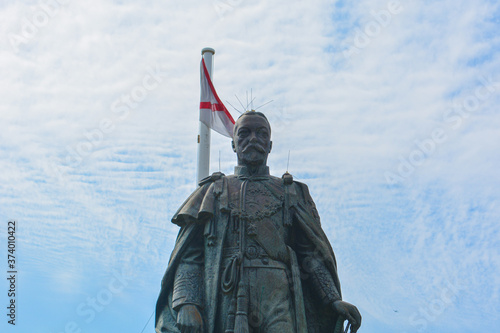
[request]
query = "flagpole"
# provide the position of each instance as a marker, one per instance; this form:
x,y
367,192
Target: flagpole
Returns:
x,y
203,167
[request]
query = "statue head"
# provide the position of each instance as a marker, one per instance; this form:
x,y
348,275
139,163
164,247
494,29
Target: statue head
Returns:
x,y
252,139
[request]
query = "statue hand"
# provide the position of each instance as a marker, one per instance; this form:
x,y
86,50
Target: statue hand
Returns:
x,y
189,319
350,312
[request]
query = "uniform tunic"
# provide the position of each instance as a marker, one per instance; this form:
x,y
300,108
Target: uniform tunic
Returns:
x,y
254,222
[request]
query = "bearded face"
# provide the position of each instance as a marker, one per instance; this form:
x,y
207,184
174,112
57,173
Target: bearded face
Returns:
x,y
252,140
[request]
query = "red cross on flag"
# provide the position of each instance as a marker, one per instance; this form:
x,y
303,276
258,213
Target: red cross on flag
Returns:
x,y
212,112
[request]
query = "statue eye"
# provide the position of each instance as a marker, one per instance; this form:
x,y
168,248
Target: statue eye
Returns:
x,y
243,132
263,133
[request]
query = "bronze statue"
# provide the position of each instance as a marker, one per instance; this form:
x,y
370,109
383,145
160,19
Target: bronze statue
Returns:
x,y
251,255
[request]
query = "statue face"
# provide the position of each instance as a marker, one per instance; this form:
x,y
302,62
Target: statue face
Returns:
x,y
252,140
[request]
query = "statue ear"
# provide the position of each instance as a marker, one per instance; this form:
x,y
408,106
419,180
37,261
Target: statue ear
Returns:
x,y
232,145
270,146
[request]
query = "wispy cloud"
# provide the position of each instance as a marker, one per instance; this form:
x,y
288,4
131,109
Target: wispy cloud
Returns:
x,y
347,120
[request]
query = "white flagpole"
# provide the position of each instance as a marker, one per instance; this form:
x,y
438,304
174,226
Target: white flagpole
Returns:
x,y
203,167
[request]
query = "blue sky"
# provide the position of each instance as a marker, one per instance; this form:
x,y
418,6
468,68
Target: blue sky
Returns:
x,y
389,109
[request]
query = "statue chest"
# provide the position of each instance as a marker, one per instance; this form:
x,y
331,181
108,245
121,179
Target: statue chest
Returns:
x,y
257,210
254,200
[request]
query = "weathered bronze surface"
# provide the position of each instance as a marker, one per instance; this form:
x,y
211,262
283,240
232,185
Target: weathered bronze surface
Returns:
x,y
251,255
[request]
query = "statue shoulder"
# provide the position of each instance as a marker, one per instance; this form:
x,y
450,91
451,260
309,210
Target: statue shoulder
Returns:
x,y
301,190
212,178
199,206
300,196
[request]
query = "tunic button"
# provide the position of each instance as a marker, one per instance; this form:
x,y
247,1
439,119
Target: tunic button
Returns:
x,y
252,252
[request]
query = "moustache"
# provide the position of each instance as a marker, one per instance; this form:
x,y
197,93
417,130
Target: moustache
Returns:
x,y
258,148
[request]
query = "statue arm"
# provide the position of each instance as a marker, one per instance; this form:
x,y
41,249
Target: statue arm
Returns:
x,y
314,271
188,282
321,281
317,261
187,293
307,243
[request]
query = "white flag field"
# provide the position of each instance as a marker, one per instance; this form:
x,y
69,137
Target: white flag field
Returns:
x,y
213,113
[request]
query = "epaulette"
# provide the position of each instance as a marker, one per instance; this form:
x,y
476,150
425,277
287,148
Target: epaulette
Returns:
x,y
213,177
287,178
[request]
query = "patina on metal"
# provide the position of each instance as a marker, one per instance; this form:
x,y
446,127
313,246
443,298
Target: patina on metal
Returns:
x,y
251,255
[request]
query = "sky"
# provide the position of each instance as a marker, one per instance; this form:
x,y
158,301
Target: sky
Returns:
x,y
389,110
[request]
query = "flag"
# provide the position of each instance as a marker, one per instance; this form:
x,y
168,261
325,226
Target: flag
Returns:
x,y
212,112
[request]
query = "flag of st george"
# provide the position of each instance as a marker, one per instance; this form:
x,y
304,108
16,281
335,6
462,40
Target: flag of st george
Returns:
x,y
212,112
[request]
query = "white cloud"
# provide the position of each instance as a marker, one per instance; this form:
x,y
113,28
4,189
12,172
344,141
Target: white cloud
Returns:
x,y
347,121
